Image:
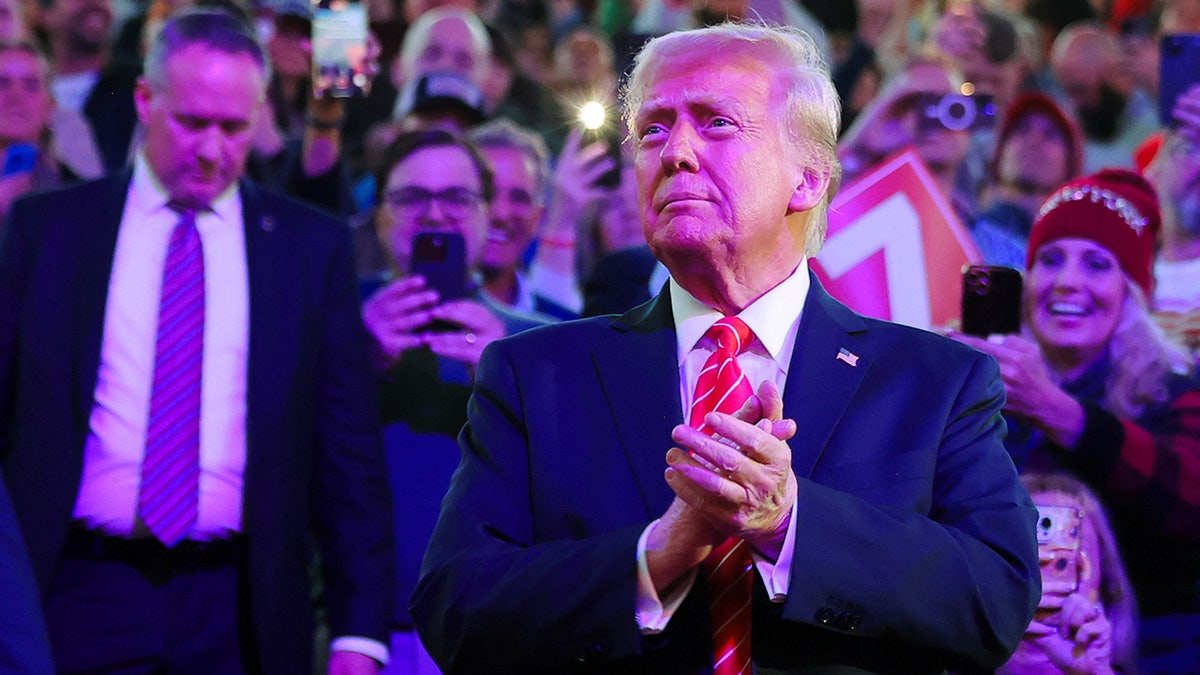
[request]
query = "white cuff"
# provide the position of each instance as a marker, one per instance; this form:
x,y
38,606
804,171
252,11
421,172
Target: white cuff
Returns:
x,y
654,613
361,645
777,576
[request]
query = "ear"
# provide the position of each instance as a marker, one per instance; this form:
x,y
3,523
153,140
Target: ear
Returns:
x,y
143,98
811,186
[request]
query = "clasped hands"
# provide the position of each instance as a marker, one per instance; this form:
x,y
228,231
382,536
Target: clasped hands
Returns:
x,y
739,484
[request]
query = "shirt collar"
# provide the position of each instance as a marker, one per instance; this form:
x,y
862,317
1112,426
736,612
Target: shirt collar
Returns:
x,y
147,194
773,317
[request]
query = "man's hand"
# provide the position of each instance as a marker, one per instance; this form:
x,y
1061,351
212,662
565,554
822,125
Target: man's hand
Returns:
x,y
742,480
680,541
393,314
352,663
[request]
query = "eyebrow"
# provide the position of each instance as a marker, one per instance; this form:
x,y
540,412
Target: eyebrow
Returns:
x,y
692,99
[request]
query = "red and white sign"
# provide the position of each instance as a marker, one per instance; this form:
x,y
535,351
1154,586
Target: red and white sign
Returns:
x,y
895,248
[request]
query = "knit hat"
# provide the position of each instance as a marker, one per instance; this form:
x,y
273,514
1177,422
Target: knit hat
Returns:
x,y
1035,103
1115,208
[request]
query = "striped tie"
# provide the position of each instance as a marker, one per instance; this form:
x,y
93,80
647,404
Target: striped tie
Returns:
x,y
167,503
723,387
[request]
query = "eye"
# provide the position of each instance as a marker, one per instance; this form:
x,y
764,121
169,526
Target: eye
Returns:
x,y
1049,257
721,122
191,122
1098,262
651,130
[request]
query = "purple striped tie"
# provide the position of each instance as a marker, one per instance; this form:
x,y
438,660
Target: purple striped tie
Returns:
x,y
171,468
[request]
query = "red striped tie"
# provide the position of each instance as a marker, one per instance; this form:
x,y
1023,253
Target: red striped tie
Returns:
x,y
169,496
722,387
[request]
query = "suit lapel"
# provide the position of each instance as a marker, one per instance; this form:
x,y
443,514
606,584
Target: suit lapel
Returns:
x,y
271,294
819,384
95,247
639,374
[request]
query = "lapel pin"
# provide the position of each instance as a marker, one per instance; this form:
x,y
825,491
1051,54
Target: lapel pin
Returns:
x,y
267,223
847,357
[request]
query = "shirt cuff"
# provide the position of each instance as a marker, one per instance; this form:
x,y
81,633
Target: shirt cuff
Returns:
x,y
654,613
361,645
562,289
777,575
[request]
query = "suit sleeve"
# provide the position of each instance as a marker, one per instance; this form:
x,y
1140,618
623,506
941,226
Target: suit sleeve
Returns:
x,y
959,576
490,599
352,502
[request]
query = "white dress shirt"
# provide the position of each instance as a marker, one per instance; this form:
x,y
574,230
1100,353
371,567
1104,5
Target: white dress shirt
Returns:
x,y
116,443
774,319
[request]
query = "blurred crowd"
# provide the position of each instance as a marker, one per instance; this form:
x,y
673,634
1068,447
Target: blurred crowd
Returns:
x,y
1040,121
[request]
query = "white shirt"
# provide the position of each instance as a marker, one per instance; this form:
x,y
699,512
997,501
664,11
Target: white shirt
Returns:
x,y
72,91
774,319
112,456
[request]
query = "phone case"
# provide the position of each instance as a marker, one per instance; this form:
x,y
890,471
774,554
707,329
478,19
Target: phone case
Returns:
x,y
1179,69
1059,530
441,258
339,42
991,300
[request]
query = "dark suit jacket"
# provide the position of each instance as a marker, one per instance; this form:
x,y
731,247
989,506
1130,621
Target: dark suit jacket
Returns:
x,y
24,647
915,549
314,461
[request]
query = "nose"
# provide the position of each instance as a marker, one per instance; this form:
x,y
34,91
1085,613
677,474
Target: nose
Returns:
x,y
208,149
1068,275
679,152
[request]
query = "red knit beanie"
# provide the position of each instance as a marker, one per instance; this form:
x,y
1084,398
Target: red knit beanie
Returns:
x,y
1115,208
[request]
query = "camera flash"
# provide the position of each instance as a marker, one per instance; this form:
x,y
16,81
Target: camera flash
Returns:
x,y
592,115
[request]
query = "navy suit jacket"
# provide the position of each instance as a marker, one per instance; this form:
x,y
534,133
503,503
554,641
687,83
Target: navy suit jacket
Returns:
x,y
314,462
915,549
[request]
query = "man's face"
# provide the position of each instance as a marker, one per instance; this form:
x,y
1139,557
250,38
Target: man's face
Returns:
x,y
198,126
515,210
716,181
435,189
1035,153
451,48
86,24
25,101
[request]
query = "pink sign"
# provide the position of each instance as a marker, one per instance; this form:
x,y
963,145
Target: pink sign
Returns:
x,y
895,248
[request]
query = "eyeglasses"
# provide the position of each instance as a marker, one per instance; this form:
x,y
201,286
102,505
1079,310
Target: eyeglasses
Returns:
x,y
455,202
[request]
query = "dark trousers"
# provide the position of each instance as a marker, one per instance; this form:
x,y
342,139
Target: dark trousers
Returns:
x,y
120,608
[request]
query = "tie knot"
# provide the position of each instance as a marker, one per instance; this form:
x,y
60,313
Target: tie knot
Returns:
x,y
186,210
731,334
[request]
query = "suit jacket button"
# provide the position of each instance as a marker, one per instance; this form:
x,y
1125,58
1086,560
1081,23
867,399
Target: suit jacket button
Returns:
x,y
825,615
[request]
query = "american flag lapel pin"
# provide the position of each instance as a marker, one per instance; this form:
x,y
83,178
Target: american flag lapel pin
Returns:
x,y
847,357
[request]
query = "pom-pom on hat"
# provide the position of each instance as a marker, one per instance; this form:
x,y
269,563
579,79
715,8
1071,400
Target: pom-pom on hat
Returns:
x,y
1115,208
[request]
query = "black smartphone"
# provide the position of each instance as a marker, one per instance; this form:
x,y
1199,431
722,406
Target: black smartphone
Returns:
x,y
1179,69
339,44
991,300
956,112
600,125
441,258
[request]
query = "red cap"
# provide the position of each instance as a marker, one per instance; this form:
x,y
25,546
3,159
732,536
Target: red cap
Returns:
x,y
1031,103
1115,208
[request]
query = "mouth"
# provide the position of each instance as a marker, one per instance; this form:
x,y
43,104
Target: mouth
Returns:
x,y
680,198
1068,309
495,236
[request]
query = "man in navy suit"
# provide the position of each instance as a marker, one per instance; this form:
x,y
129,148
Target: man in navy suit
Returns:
x,y
886,526
193,555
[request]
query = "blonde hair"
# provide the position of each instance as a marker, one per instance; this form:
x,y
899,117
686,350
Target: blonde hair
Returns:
x,y
1142,359
1116,593
811,112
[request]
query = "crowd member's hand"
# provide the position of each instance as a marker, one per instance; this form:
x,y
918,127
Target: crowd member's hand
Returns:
x,y
1187,114
577,169
1031,391
352,663
742,482
474,328
394,316
1076,636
